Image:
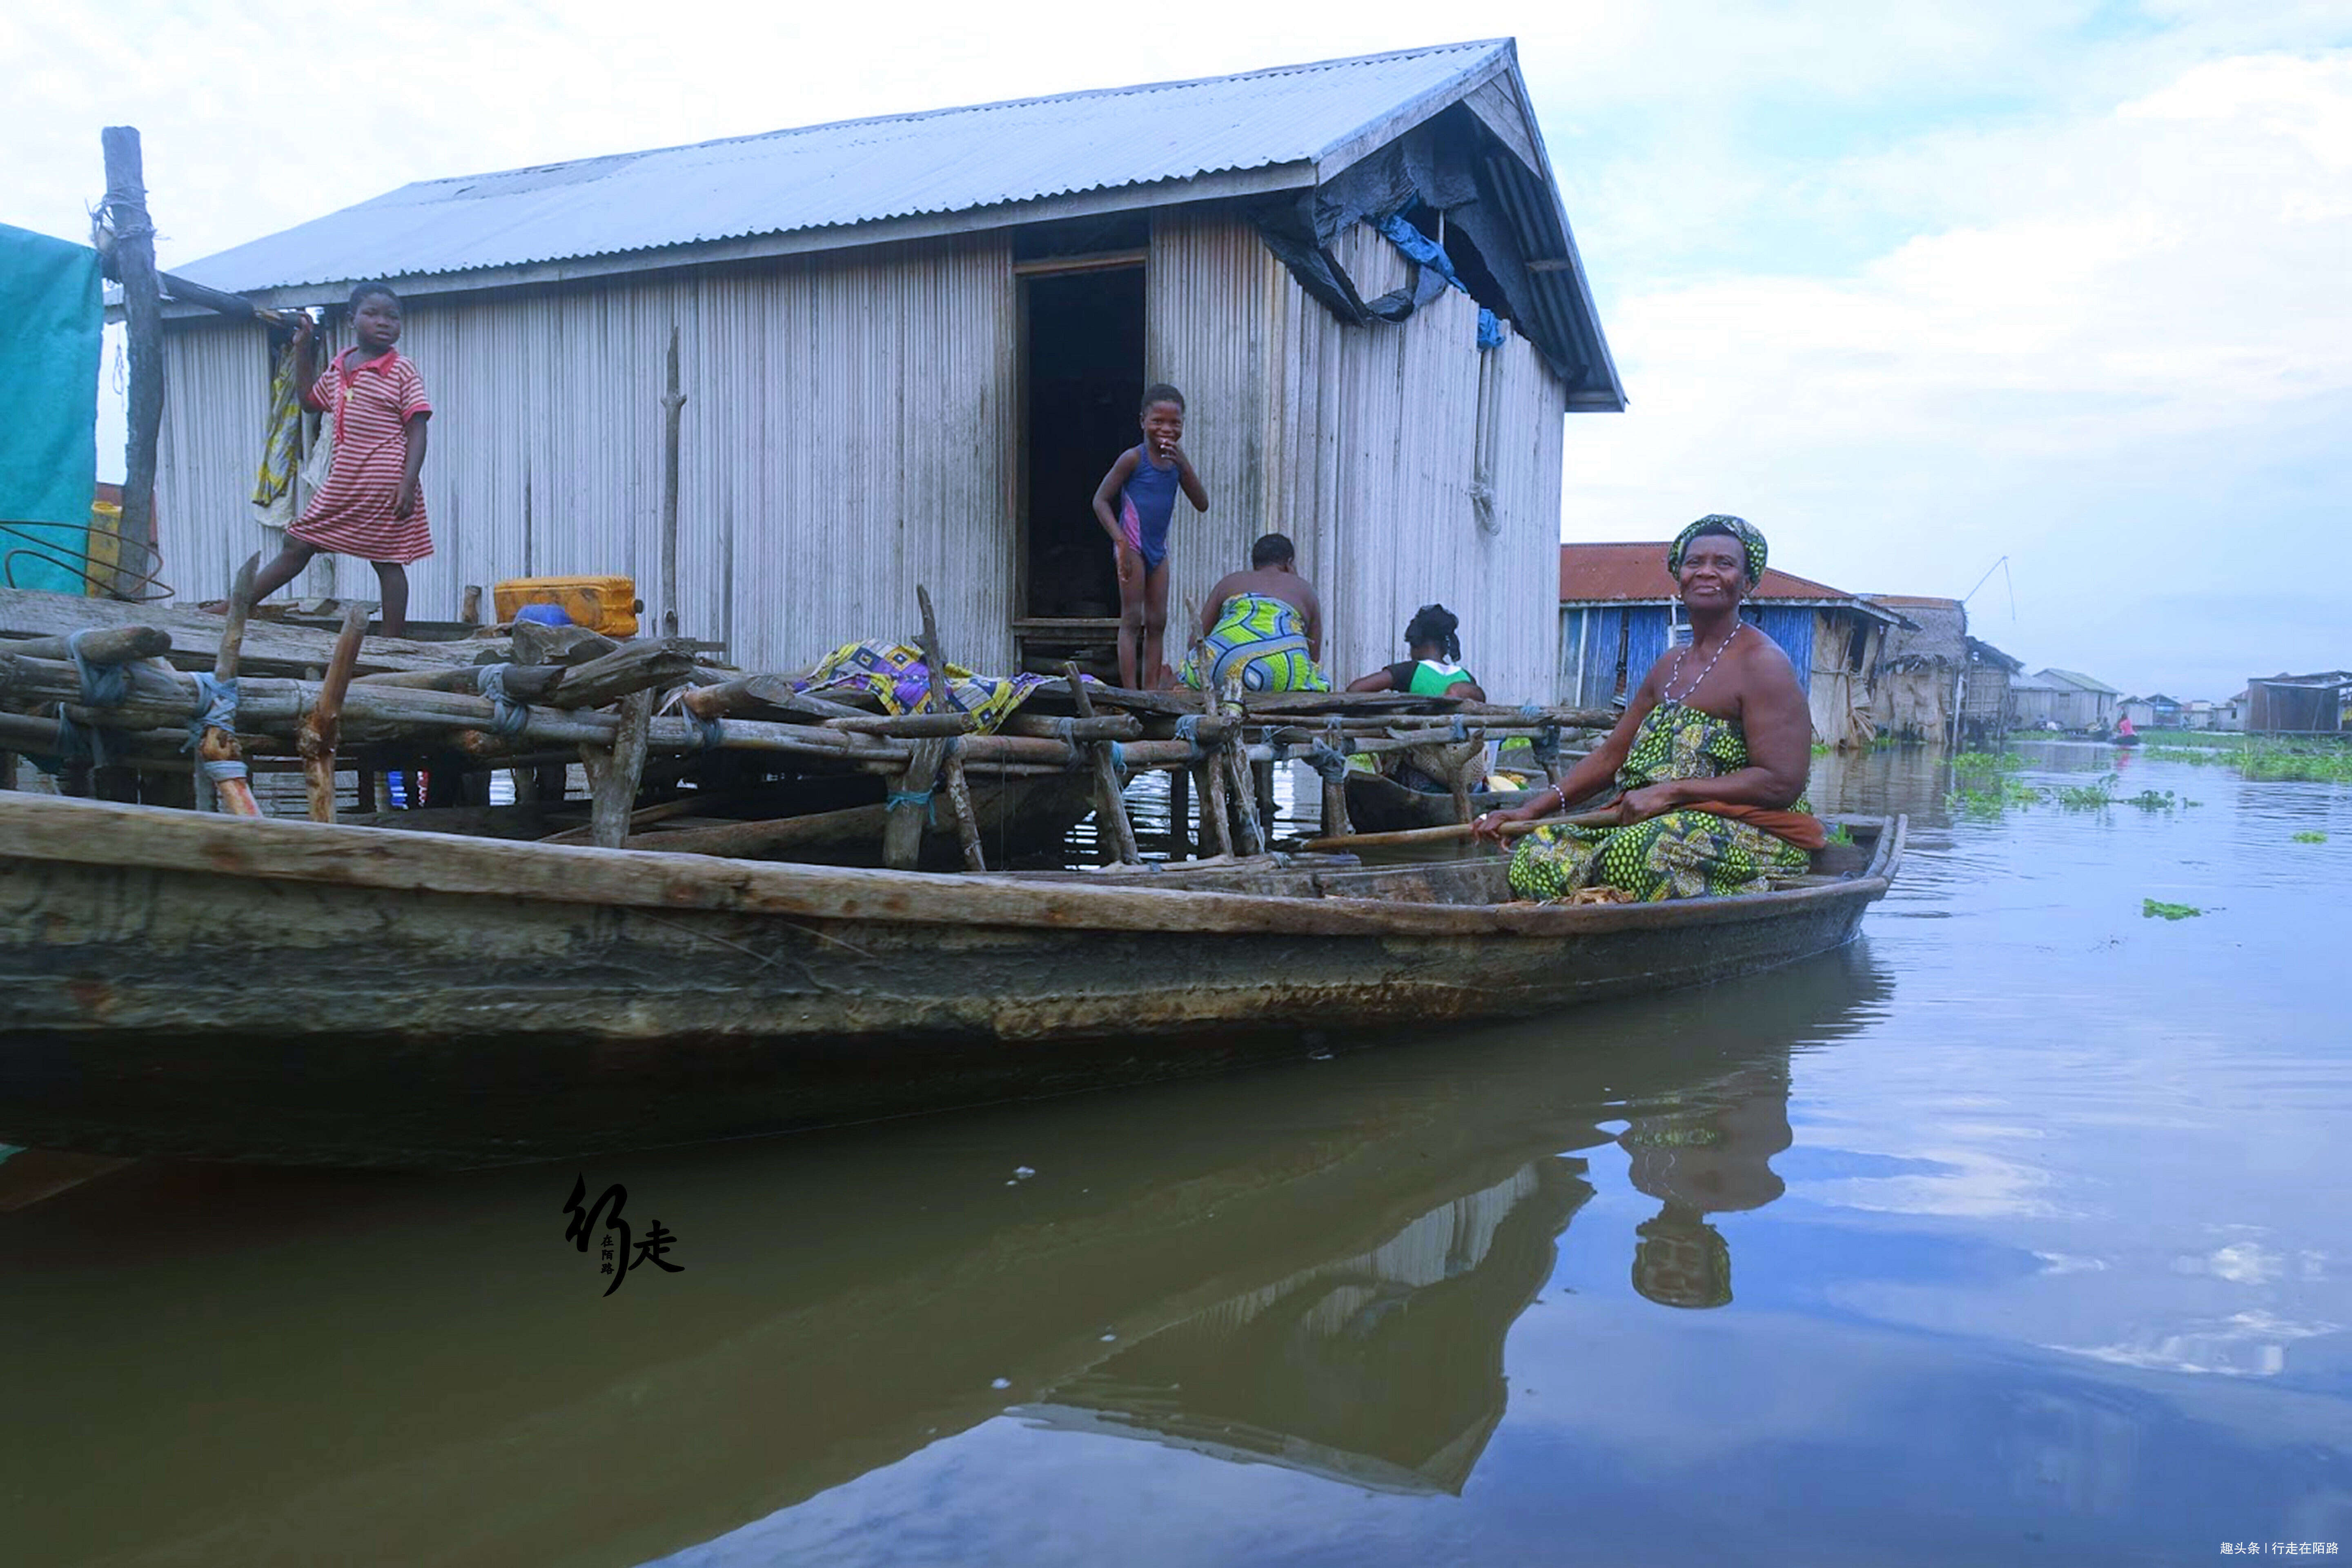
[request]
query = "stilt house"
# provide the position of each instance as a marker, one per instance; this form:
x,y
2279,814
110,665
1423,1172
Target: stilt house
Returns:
x,y
911,345
1617,613
1935,683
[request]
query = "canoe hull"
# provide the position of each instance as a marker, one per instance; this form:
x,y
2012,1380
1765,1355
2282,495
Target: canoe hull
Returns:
x,y
346,997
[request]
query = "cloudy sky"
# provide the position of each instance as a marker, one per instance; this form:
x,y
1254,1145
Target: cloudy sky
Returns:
x,y
1919,289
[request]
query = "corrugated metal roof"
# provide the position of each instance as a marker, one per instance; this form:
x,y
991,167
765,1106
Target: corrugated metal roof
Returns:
x,y
1603,574
856,171
2080,683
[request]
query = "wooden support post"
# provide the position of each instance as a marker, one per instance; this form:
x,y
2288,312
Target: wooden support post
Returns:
x,y
934,661
322,727
1110,798
1217,817
1262,773
612,774
910,805
7,768
216,744
673,402
143,314
1179,813
470,609
1335,809
1248,837
1465,761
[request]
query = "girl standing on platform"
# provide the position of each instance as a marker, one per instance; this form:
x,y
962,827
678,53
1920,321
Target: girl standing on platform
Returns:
x,y
1134,504
371,505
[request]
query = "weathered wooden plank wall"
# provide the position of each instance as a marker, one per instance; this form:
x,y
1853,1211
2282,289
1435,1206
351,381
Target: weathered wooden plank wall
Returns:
x,y
844,440
848,434
1367,445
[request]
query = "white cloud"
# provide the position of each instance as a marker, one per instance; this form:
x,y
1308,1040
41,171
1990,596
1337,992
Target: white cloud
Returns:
x,y
2162,279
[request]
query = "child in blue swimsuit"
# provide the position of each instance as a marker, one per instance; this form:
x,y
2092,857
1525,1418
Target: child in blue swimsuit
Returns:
x,y
1134,503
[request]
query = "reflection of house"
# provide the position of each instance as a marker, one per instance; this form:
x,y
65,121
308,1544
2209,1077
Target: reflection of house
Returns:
x,y
2074,700
910,346
2300,704
1383,1369
1935,681
1618,614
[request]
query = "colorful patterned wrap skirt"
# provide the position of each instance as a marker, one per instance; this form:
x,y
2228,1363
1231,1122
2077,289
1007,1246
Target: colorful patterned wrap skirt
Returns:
x,y
1677,854
1261,643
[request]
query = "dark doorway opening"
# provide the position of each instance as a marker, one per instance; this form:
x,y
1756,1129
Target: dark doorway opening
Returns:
x,y
1083,355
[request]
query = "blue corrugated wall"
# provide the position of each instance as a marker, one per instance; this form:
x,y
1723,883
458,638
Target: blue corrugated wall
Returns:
x,y
1589,646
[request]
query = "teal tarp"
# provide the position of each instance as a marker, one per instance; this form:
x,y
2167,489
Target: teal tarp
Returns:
x,y
48,378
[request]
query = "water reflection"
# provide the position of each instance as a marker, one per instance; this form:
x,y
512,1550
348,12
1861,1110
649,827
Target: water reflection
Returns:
x,y
1315,1267
1710,1152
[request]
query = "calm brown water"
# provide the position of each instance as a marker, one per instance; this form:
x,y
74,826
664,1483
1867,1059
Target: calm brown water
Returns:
x,y
2016,1233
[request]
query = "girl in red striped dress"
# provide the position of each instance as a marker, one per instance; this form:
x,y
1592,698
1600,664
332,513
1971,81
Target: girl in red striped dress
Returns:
x,y
370,505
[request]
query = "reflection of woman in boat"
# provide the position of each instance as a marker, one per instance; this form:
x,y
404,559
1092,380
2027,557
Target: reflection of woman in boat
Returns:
x,y
1710,1155
1711,754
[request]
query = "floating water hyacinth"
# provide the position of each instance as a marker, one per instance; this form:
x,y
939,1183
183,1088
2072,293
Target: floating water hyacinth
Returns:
x,y
2156,908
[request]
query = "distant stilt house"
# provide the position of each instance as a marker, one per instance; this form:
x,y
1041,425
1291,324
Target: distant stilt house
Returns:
x,y
911,345
2073,700
1935,683
2300,704
2155,711
1618,614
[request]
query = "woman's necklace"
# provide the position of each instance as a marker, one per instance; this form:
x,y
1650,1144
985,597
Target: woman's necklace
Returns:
x,y
1666,694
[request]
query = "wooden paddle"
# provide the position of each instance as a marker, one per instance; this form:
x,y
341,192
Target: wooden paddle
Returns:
x,y
1607,817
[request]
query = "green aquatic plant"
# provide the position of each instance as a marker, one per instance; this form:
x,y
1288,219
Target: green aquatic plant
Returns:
x,y
1986,763
1989,803
2311,838
2090,797
1838,834
2156,908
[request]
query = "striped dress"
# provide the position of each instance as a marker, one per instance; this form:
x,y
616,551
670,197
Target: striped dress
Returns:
x,y
352,514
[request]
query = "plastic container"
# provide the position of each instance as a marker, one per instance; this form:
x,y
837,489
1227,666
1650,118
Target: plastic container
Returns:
x,y
608,604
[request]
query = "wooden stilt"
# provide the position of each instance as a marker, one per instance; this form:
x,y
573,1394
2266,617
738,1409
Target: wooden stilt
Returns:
x,y
1179,813
612,774
936,661
910,805
322,727
219,745
1111,796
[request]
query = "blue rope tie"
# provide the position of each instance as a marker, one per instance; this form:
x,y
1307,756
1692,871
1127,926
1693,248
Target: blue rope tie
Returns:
x,y
1118,761
1268,737
1067,729
508,716
102,685
711,732
216,707
222,772
1529,713
1188,730
76,744
922,797
1329,763
1461,731
1547,746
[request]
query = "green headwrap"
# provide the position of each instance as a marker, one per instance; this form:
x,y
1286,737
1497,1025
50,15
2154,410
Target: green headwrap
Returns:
x,y
1739,528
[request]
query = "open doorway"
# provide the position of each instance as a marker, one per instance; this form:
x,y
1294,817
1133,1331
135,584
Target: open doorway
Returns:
x,y
1083,354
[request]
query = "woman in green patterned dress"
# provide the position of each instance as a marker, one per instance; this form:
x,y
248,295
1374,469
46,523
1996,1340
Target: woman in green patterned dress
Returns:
x,y
1722,723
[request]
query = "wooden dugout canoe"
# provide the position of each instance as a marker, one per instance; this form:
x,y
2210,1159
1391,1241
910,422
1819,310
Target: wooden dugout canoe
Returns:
x,y
176,983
